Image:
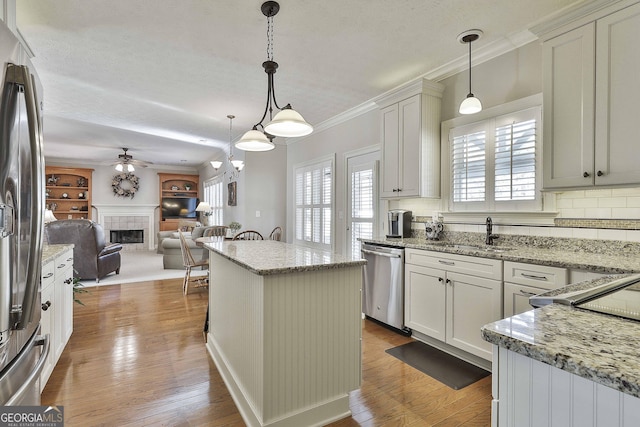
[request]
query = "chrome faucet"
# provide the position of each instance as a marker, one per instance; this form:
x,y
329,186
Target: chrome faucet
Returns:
x,y
490,236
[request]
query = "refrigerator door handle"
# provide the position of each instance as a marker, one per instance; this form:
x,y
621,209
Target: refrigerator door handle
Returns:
x,y
21,76
27,385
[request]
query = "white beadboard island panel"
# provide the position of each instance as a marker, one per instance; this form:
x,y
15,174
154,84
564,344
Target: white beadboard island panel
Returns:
x,y
285,334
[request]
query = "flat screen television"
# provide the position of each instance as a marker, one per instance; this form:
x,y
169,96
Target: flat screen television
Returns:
x,y
179,207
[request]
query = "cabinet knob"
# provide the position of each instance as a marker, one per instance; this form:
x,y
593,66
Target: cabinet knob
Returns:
x,y
46,305
448,281
586,174
68,281
440,279
600,173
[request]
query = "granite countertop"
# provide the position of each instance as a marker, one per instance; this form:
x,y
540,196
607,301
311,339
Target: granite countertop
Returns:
x,y
609,260
595,346
266,257
49,252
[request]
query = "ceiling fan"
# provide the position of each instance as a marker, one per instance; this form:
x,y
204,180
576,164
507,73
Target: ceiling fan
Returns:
x,y
126,162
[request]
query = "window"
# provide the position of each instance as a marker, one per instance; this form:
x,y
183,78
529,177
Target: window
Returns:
x,y
494,163
314,203
363,197
214,195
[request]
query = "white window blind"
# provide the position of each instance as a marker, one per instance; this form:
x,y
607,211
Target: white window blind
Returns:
x,y
314,203
214,195
362,204
515,161
494,163
468,159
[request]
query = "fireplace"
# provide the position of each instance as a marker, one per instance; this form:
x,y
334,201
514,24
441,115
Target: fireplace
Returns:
x,y
129,218
127,236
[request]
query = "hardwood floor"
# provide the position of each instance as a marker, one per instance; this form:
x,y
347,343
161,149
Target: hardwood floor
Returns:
x,y
137,357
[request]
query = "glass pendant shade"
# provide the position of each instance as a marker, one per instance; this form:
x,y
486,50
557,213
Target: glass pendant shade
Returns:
x,y
288,123
470,105
119,167
130,168
216,164
238,164
254,140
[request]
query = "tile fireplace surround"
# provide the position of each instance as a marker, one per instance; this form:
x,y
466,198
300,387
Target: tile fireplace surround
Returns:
x,y
136,217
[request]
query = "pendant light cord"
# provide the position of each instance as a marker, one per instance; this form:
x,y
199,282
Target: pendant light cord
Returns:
x,y
469,67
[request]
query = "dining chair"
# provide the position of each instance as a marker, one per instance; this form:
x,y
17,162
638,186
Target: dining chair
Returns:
x,y
216,231
248,235
276,234
189,262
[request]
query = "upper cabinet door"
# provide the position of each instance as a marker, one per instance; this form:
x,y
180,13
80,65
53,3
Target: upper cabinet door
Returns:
x,y
390,151
410,146
617,93
568,97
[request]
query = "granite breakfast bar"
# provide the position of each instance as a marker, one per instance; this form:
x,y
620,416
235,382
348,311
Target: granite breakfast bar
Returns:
x,y
285,330
560,365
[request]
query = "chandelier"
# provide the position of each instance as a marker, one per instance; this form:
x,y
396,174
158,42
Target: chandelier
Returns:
x,y
238,165
287,122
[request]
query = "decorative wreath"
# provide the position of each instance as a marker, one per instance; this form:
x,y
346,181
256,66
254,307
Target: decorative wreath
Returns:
x,y
131,185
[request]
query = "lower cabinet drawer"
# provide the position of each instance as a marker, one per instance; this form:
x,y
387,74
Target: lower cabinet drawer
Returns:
x,y
471,265
537,276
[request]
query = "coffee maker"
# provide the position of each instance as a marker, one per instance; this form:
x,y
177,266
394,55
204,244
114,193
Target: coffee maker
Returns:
x,y
399,223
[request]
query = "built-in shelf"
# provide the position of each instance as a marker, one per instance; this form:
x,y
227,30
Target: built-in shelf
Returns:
x,y
76,184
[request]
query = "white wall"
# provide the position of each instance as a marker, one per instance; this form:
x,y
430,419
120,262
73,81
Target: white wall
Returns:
x,y
261,186
362,131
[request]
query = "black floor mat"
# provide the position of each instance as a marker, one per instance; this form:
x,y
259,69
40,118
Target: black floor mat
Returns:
x,y
447,369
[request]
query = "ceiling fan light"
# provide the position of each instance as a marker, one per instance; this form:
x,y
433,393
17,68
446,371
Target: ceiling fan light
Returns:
x,y
119,167
130,168
216,164
470,105
288,123
254,140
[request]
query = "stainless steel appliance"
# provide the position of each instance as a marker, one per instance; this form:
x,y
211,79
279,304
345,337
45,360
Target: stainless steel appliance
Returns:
x,y
399,223
383,288
22,350
618,297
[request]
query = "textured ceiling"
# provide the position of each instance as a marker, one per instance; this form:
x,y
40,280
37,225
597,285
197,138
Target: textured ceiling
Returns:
x,y
160,76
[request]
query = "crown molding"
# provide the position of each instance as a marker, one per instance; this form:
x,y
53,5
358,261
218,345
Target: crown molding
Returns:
x,y
576,15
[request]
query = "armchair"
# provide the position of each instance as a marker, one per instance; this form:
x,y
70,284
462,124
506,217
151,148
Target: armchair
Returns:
x,y
92,257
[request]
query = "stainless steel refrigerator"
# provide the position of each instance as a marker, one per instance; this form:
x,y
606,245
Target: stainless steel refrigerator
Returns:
x,y
22,350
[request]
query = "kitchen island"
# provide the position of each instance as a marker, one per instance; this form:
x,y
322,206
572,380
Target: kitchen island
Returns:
x,y
285,330
560,365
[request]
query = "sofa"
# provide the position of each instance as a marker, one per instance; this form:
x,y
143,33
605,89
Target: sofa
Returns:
x,y
92,257
169,247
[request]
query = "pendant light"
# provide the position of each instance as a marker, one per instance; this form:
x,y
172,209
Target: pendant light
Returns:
x,y
471,104
238,165
287,122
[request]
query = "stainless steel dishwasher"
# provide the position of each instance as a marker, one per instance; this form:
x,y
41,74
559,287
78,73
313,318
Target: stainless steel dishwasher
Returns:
x,y
383,288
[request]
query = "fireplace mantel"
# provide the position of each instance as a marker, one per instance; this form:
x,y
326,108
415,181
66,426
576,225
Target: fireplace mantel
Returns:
x,y
148,212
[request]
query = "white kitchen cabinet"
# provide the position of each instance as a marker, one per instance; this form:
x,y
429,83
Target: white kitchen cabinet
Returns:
x,y
46,320
589,90
522,281
450,297
410,132
57,308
